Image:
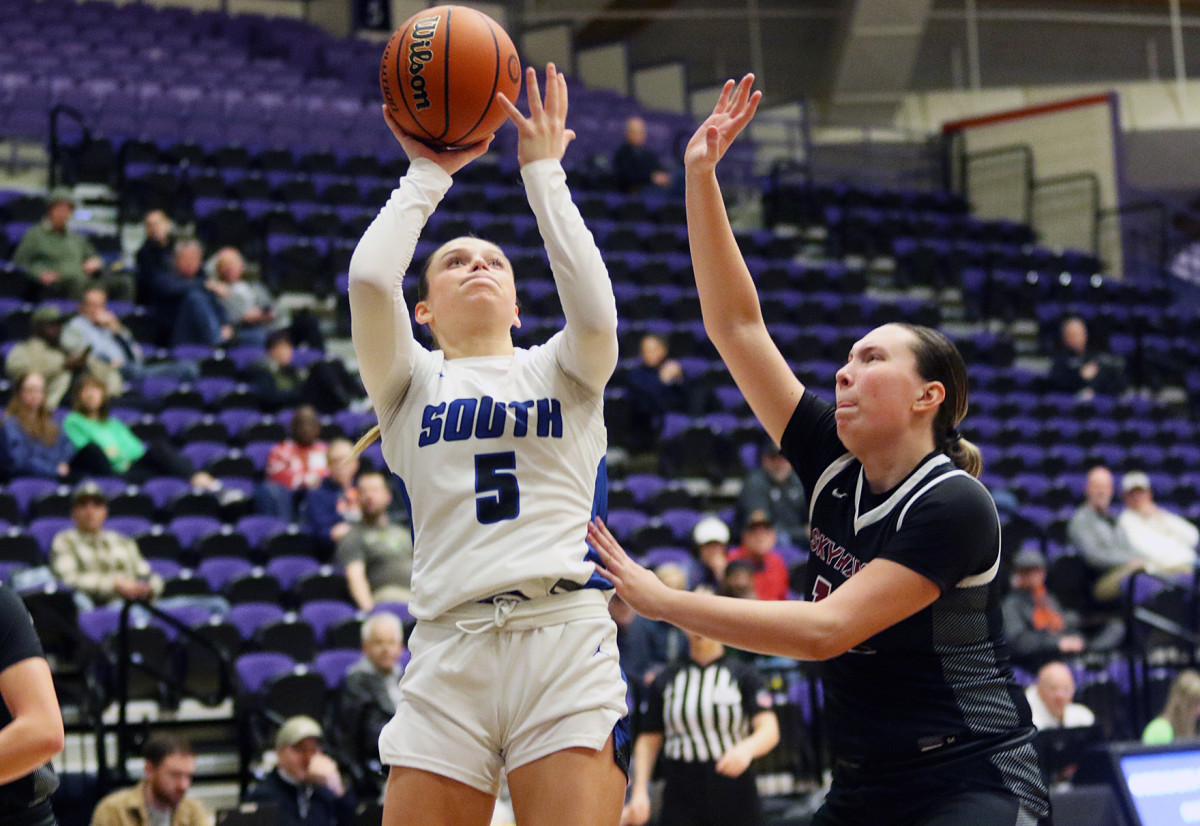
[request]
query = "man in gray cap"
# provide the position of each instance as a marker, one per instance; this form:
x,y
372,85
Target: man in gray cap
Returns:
x,y
61,261
43,352
1037,627
305,783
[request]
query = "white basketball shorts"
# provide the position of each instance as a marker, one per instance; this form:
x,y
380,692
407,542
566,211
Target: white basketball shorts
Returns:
x,y
491,687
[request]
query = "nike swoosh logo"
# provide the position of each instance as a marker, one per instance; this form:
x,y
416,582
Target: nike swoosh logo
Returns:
x,y
839,494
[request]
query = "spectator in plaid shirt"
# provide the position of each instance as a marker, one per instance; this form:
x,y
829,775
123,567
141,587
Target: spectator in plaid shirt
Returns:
x,y
101,564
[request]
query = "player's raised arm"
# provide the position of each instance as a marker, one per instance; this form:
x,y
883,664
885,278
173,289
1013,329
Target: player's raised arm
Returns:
x,y
379,318
589,346
729,303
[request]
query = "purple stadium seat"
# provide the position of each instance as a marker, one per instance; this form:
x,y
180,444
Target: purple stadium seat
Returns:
x,y
322,613
218,570
255,669
250,616
191,529
27,488
289,569
163,489
258,528
45,528
333,664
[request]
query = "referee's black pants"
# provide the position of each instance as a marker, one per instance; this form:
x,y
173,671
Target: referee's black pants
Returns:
x,y
695,795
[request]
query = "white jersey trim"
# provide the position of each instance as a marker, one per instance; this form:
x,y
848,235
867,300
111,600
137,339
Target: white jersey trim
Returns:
x,y
975,579
883,509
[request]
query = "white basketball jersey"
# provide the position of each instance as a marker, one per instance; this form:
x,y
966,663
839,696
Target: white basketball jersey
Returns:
x,y
501,458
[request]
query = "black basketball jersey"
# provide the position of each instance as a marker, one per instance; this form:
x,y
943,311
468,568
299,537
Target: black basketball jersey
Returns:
x,y
937,686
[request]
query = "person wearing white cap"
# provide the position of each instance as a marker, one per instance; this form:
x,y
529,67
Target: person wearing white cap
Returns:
x,y
711,536
305,783
1167,542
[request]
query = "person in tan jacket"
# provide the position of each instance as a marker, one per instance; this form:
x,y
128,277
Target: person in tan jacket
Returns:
x,y
162,795
43,352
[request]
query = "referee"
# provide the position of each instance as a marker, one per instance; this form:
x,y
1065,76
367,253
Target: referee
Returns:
x,y
710,716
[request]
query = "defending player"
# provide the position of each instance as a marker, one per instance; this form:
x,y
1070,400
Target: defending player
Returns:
x,y
926,723
501,453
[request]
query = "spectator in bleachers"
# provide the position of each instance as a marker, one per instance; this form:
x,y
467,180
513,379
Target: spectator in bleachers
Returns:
x,y
1078,368
711,536
635,165
161,797
376,554
1178,719
155,254
739,580
61,261
44,352
97,562
305,783
326,385
656,387
1036,625
246,304
710,717
1051,699
331,508
294,466
103,565
1166,541
758,548
34,445
367,699
128,455
774,488
98,330
1105,546
187,312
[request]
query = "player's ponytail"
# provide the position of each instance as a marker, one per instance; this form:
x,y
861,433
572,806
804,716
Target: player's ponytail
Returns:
x,y
368,438
939,360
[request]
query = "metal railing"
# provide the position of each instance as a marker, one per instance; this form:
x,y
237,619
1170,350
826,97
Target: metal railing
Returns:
x,y
1179,630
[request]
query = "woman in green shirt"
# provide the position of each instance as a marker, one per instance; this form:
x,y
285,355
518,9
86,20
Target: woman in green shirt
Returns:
x,y
89,422
1178,718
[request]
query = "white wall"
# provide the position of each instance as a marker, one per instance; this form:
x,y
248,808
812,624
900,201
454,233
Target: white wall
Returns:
x,y
604,68
548,44
662,87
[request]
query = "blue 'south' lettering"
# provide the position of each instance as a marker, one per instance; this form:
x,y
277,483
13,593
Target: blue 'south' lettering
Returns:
x,y
487,418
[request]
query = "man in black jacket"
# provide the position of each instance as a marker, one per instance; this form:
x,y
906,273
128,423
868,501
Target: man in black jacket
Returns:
x,y
305,784
369,693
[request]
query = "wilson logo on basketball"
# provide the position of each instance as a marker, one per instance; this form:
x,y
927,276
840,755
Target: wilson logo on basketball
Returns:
x,y
420,54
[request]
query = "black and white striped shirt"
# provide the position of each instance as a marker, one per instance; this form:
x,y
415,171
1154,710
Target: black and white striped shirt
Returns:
x,y
703,710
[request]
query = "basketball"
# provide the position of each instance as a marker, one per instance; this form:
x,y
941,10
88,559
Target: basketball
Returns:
x,y
441,71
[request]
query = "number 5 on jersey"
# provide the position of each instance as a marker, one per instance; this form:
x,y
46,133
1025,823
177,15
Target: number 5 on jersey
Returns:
x,y
498,497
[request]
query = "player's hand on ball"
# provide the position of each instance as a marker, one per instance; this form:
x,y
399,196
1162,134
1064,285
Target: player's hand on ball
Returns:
x,y
639,587
450,160
734,110
544,133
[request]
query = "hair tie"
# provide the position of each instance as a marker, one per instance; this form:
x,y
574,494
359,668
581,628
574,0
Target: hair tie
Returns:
x,y
953,437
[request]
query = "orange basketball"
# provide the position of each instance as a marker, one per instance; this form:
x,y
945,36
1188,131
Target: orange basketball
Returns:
x,y
441,71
